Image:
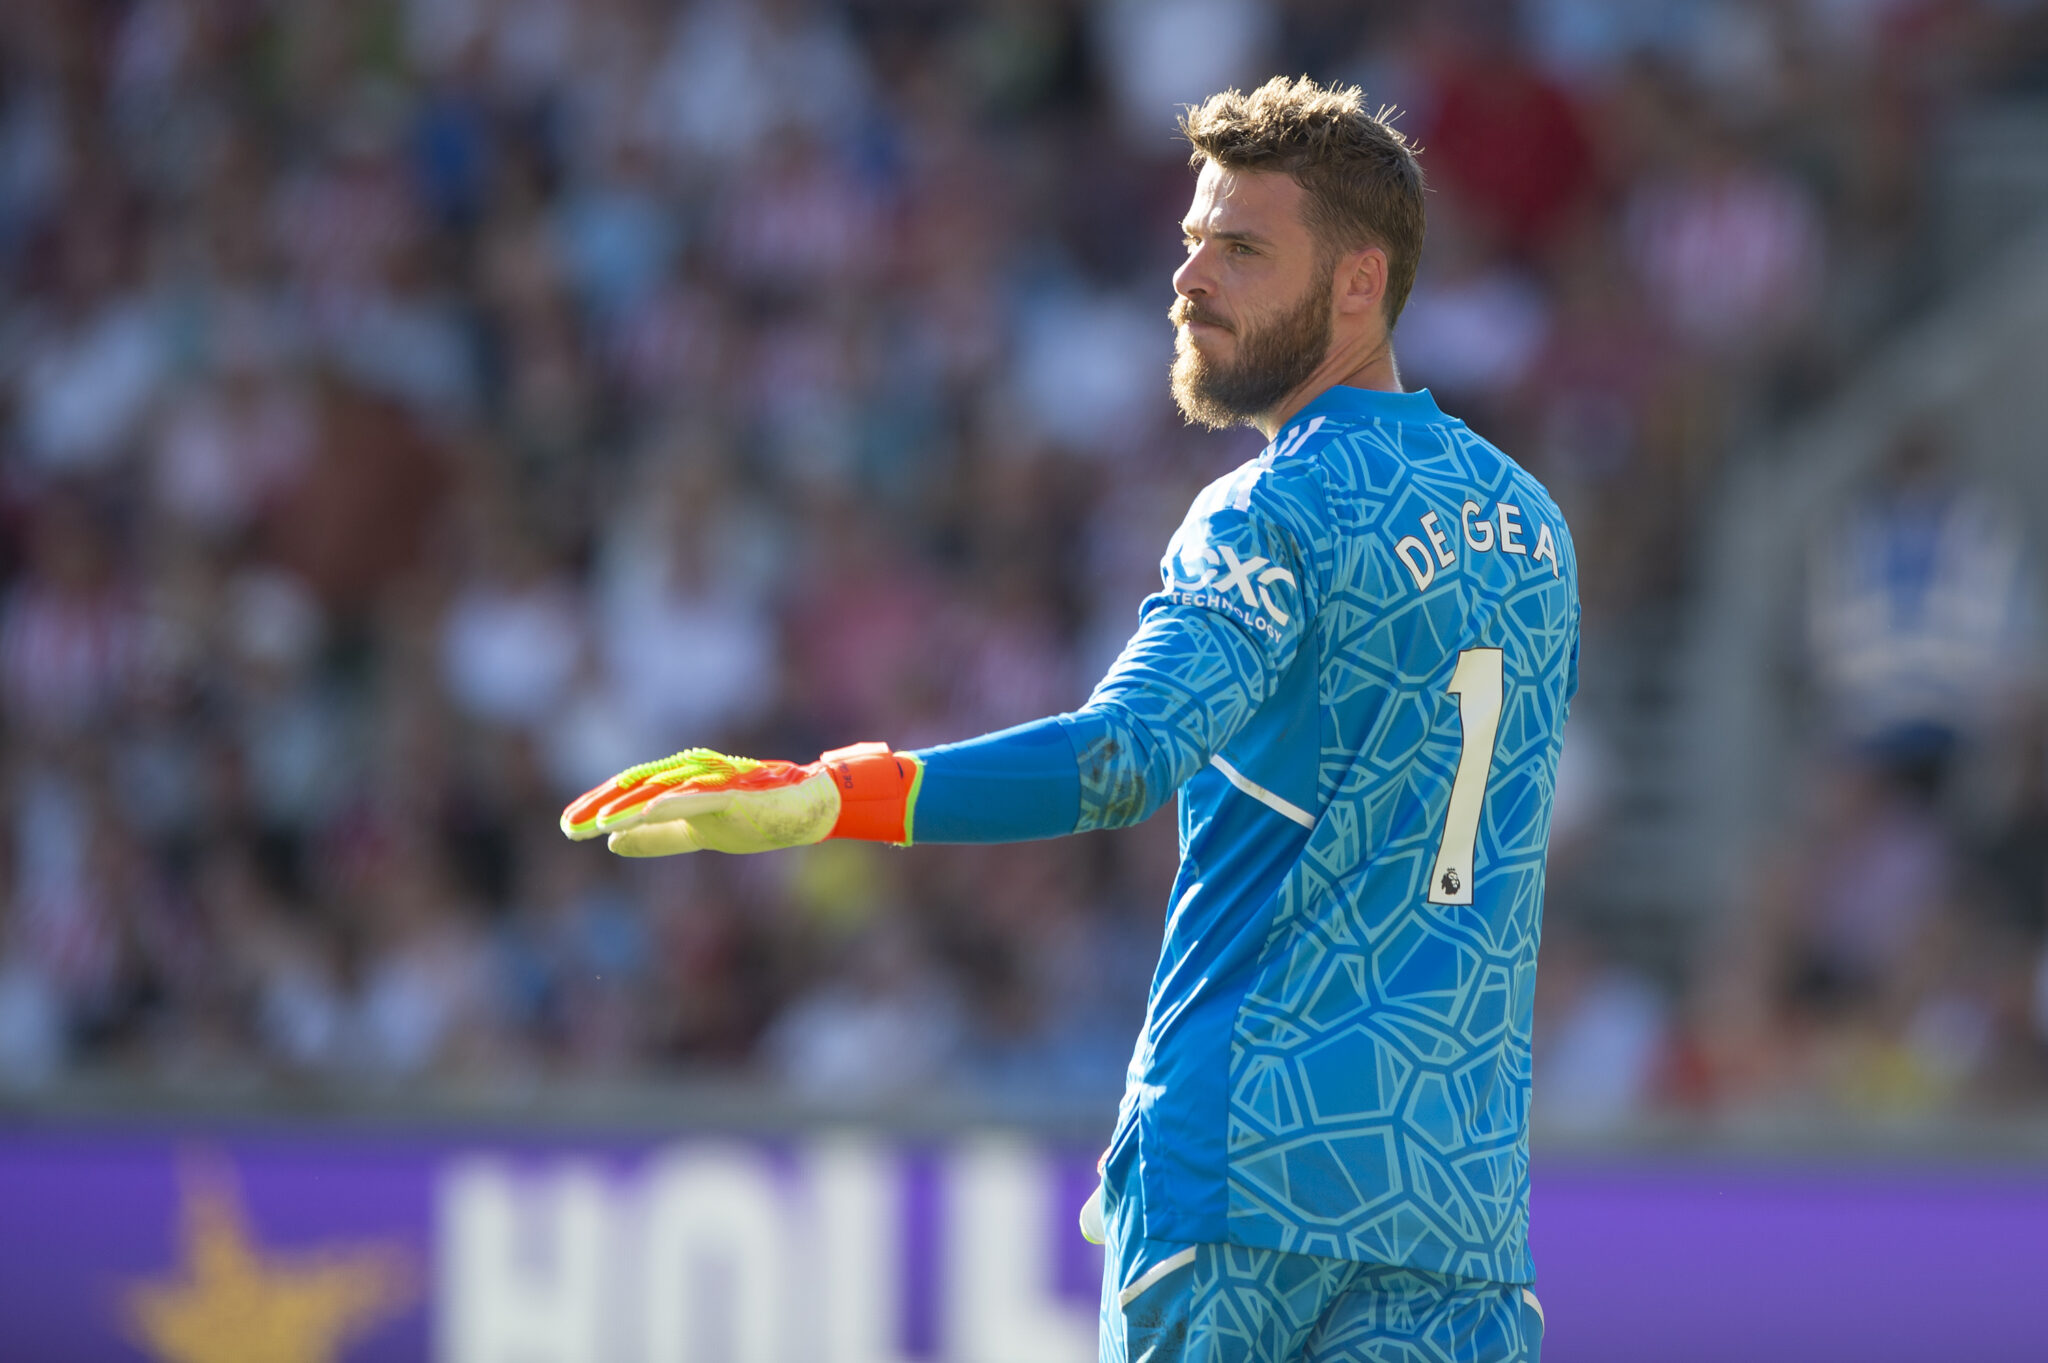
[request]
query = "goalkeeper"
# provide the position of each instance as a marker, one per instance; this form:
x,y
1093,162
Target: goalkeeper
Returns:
x,y
1355,677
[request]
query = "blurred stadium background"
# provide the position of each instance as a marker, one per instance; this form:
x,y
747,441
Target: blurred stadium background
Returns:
x,y
412,411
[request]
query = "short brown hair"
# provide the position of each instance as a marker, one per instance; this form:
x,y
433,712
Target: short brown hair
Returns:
x,y
1363,184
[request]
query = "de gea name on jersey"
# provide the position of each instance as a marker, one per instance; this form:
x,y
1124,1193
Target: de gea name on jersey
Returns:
x,y
1501,530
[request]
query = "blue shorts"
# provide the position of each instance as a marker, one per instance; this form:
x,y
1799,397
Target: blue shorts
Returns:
x,y
1228,1304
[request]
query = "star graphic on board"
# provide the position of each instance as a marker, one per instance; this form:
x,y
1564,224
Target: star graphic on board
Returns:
x,y
231,1302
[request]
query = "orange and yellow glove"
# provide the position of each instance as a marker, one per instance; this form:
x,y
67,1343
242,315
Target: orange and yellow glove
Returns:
x,y
701,800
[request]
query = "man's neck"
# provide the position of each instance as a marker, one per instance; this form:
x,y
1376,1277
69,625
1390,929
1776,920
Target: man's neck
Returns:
x,y
1366,366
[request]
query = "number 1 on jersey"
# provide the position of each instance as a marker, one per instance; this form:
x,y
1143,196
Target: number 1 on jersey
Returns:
x,y
1477,682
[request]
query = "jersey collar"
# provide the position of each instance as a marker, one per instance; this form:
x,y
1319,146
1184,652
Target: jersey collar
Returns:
x,y
1371,404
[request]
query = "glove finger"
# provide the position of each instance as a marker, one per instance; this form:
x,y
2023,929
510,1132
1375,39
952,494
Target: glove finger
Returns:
x,y
683,804
640,804
586,816
656,840
579,817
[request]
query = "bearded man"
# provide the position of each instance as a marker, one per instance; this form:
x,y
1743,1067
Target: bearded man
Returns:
x,y
1356,676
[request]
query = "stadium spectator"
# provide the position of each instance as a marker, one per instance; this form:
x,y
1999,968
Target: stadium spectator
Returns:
x,y
1923,617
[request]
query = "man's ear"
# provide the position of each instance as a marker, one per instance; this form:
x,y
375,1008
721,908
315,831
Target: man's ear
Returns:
x,y
1361,283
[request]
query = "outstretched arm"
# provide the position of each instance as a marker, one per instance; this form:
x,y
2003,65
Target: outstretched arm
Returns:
x,y
1184,684
1210,647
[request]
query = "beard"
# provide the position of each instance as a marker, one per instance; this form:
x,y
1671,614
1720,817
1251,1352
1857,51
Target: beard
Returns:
x,y
1272,361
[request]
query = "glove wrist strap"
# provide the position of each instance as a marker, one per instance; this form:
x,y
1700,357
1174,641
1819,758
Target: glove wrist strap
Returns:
x,y
877,792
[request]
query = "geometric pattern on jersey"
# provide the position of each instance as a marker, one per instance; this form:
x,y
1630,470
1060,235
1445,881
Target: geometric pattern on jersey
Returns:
x,y
1332,1063
1237,1304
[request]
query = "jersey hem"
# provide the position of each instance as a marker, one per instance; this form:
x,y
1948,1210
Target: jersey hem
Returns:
x,y
1247,1233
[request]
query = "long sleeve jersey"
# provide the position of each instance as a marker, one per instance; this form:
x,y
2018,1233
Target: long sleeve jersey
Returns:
x,y
1355,676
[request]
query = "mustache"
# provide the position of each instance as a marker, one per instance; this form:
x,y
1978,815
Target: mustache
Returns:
x,y
1186,310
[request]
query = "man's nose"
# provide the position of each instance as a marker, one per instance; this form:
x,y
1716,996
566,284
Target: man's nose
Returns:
x,y
1192,280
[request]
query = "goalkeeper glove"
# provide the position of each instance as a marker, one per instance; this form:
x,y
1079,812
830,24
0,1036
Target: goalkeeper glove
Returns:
x,y
701,800
1092,1228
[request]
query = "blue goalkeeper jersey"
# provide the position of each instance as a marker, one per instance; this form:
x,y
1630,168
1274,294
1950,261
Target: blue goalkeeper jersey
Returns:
x,y
1356,677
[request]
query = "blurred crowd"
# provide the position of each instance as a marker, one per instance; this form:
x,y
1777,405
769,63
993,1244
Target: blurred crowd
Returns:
x,y
1891,948
412,411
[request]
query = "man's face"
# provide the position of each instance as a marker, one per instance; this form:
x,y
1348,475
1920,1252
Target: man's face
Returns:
x,y
1253,319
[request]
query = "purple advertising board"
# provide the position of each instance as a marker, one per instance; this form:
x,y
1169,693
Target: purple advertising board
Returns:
x,y
846,1247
